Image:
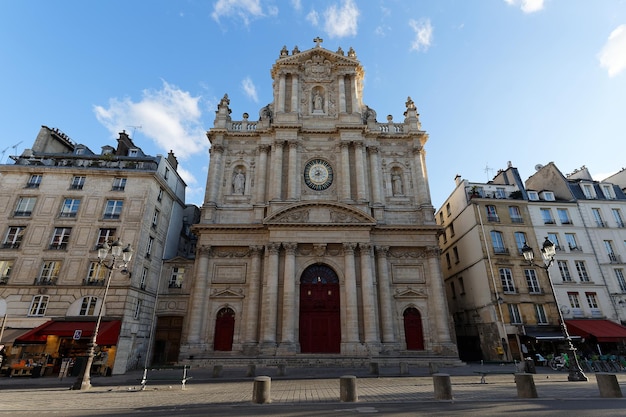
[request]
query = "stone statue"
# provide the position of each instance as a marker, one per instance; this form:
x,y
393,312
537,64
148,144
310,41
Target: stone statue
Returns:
x,y
266,113
318,103
396,183
239,182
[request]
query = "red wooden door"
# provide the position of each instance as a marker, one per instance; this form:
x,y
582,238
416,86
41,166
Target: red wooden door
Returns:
x,y
413,331
320,321
224,329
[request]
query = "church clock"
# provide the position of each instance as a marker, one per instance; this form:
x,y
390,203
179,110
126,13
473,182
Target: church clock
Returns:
x,y
318,174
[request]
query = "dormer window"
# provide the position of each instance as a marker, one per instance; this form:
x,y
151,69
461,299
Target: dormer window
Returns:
x,y
547,195
133,152
588,191
607,190
533,195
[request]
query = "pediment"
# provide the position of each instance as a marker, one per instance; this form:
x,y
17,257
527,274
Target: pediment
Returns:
x,y
410,293
317,64
227,293
320,214
311,55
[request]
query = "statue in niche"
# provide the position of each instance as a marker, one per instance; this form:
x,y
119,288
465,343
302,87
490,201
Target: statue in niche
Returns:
x,y
318,102
239,182
396,183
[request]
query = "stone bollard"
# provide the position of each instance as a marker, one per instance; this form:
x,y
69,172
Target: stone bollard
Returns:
x,y
404,368
282,369
433,368
443,386
608,385
261,390
347,389
374,368
251,370
217,371
525,384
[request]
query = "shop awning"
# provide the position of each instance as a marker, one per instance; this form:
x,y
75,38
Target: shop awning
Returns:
x,y
107,334
9,335
602,330
546,333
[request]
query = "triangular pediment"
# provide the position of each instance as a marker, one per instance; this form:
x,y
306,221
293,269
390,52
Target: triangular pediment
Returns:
x,y
310,56
410,293
317,63
226,293
320,214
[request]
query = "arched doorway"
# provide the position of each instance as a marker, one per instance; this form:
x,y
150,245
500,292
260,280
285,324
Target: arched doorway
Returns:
x,y
413,332
224,329
320,319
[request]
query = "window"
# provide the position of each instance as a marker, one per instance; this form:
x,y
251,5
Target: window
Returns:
x,y
49,273
25,206
532,281
13,238
461,285
96,275
619,275
581,269
34,181
149,247
137,309
119,184
540,313
574,301
546,215
506,277
448,210
160,196
592,302
588,191
548,195
533,195
498,242
5,271
167,173
617,215
564,270
554,238
88,306
516,214
608,245
452,290
563,216
607,190
455,252
77,183
492,214
597,215
133,152
38,305
144,277
70,207
570,238
155,219
448,263
451,227
176,279
60,238
105,235
520,241
113,209
514,315
500,192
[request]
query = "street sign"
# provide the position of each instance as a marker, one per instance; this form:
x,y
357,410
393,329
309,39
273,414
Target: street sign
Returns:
x,y
77,334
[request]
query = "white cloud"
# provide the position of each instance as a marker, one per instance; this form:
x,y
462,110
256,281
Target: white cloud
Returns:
x,y
297,4
423,34
313,17
527,6
249,89
170,117
341,21
613,53
244,9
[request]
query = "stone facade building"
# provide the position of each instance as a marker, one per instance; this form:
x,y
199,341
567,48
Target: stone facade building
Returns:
x,y
317,236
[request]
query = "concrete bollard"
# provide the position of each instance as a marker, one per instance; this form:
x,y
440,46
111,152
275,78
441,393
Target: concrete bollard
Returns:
x,y
443,386
217,371
347,389
608,385
261,390
374,368
251,370
282,369
433,368
525,384
404,368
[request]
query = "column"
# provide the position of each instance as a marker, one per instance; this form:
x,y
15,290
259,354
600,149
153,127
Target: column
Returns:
x,y
345,172
423,194
277,170
292,181
281,93
437,298
260,179
342,94
375,170
289,287
370,324
384,295
294,93
360,172
197,312
252,299
355,93
270,296
215,169
351,316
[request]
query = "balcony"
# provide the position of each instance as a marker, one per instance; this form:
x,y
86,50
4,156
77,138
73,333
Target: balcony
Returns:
x,y
517,220
76,187
500,250
4,280
45,281
175,284
493,218
58,246
11,245
93,282
600,223
68,214
22,213
614,259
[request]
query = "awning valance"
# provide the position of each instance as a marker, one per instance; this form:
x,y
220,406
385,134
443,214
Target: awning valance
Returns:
x,y
602,330
9,335
107,334
546,333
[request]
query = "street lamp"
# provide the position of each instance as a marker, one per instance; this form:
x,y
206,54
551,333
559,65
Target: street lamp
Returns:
x,y
547,252
115,249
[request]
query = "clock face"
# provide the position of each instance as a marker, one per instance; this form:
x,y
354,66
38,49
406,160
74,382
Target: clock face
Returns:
x,y
318,174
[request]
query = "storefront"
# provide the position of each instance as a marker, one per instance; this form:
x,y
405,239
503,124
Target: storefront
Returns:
x,y
602,337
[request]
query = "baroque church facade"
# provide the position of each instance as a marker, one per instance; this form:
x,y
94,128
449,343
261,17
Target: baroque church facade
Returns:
x,y
317,235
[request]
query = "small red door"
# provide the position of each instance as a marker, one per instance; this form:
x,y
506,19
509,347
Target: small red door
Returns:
x,y
224,329
413,331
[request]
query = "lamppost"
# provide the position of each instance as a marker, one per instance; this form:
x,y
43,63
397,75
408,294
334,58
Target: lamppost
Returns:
x,y
547,252
115,249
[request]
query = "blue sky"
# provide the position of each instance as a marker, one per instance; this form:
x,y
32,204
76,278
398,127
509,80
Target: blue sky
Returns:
x,y
526,81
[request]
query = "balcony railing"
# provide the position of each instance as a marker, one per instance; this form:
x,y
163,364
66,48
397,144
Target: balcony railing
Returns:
x,y
615,259
57,246
45,281
22,213
175,284
493,218
500,250
93,282
11,245
517,220
4,280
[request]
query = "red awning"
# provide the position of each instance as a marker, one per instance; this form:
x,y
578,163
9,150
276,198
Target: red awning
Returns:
x,y
107,334
603,330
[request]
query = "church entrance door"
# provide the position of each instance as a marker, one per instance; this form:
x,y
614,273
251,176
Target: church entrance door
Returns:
x,y
224,329
320,321
413,331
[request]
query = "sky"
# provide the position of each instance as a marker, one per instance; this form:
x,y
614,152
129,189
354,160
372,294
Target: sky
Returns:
x,y
526,81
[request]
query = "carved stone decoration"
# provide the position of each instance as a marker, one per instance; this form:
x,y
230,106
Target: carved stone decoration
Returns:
x,y
227,293
410,293
401,253
319,249
301,216
342,217
317,68
231,253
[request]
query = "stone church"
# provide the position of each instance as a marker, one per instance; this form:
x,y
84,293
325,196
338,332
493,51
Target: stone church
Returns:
x,y
317,236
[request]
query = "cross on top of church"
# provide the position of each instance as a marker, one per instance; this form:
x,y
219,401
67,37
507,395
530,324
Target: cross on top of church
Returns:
x,y
318,41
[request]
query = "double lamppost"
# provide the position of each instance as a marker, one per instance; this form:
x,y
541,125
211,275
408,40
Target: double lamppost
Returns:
x,y
547,252
116,251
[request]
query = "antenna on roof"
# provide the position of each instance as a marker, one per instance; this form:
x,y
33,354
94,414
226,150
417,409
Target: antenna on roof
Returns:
x,y
15,148
134,128
487,171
